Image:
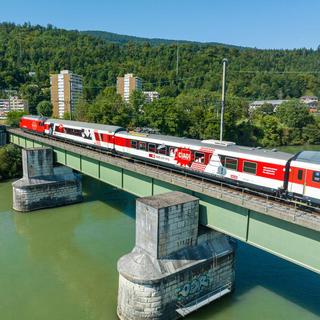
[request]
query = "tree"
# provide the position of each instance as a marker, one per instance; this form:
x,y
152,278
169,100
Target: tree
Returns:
x,y
271,129
137,102
67,116
294,114
10,162
81,113
266,108
109,108
34,94
188,104
44,108
13,118
311,134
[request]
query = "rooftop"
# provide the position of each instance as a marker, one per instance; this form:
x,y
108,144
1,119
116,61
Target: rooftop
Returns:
x,y
109,128
273,102
309,156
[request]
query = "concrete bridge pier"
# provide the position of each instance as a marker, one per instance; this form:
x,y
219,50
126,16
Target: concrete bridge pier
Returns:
x,y
42,185
175,268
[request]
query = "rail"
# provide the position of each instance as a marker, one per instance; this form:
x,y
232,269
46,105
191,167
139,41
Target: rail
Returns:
x,y
286,209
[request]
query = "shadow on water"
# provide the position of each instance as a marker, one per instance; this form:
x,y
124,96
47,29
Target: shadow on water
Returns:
x,y
95,190
256,268
78,247
81,244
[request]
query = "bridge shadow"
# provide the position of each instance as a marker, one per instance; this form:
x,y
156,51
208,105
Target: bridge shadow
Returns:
x,y
255,268
96,190
258,270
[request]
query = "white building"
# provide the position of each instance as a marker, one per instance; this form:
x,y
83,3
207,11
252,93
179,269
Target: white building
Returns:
x,y
311,101
14,103
127,84
308,99
66,91
259,103
151,95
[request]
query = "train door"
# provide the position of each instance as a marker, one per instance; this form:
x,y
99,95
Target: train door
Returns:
x,y
97,138
312,185
297,181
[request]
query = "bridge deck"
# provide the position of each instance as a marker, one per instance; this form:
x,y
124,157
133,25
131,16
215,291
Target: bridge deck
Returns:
x,y
282,228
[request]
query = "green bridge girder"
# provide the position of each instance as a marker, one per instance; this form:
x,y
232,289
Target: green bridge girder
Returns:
x,y
290,241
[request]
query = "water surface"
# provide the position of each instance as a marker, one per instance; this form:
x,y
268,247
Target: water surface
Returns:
x,y
60,264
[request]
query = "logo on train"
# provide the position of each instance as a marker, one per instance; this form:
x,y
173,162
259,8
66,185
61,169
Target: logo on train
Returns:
x,y
184,157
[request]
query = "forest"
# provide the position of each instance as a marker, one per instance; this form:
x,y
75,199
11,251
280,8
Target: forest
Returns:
x,y
190,96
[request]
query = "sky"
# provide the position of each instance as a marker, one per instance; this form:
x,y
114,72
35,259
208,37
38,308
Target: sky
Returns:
x,y
261,23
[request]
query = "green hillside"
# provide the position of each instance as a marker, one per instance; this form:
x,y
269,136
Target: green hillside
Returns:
x,y
252,73
190,100
123,39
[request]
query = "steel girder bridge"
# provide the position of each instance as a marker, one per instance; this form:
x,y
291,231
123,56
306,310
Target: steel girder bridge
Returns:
x,y
283,229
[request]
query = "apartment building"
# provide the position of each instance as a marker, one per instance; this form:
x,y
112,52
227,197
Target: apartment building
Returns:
x,y
259,103
127,84
66,91
151,96
13,103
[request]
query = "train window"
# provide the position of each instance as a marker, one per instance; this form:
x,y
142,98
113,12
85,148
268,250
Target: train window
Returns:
x,y
152,147
231,163
199,157
134,144
172,151
316,176
300,174
250,167
162,149
104,137
142,145
73,132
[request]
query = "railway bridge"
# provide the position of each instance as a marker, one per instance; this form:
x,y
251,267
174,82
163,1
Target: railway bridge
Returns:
x,y
282,228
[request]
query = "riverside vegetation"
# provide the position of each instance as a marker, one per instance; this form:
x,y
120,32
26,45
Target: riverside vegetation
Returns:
x,y
190,100
10,162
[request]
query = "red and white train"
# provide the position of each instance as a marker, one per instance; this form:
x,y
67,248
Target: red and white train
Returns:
x,y
292,176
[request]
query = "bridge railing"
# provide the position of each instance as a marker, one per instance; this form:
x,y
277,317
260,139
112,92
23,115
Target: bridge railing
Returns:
x,y
224,189
289,209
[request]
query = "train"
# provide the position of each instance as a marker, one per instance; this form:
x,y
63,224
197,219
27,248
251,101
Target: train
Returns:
x,y
278,173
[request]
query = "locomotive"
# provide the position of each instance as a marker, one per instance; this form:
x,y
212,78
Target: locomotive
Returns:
x,y
279,173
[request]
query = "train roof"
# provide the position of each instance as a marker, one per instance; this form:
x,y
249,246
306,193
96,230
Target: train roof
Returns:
x,y
216,144
34,117
309,156
104,127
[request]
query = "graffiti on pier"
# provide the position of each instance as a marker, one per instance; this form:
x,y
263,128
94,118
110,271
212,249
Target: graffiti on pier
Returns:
x,y
194,286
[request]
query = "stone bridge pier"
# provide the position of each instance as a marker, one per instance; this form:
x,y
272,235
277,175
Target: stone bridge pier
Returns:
x,y
42,185
175,268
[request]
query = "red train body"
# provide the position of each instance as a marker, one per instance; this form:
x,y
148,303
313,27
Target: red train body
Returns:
x,y
33,123
294,176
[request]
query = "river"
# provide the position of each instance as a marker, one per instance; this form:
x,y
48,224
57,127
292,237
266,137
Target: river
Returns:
x,y
60,264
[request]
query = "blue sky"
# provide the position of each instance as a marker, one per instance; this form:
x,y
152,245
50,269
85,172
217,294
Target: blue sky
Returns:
x,y
261,24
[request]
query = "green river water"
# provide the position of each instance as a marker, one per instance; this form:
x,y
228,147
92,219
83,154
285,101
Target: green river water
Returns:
x,y
60,264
